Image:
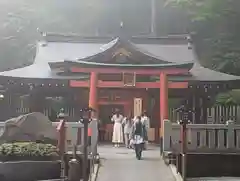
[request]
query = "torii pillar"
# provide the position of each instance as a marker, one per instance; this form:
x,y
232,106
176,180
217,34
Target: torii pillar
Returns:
x,y
93,97
163,100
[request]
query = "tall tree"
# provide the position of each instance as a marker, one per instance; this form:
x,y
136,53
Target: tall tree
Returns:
x,y
216,26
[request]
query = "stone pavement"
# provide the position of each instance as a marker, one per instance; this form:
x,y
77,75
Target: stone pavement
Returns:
x,y
214,179
120,164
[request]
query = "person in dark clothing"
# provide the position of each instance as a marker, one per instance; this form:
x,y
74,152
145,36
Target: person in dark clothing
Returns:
x,y
138,137
101,131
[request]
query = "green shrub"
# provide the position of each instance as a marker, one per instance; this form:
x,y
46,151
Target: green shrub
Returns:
x,y
28,149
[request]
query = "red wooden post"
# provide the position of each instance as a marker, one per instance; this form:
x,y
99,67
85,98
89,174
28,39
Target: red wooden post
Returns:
x,y
93,100
61,136
163,99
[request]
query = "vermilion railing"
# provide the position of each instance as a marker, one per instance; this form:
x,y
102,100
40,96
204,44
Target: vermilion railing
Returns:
x,y
61,129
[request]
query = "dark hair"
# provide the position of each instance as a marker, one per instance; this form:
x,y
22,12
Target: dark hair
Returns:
x,y
144,113
117,112
139,117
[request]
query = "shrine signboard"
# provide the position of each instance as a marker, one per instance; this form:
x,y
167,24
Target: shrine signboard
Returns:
x,y
129,79
112,96
137,106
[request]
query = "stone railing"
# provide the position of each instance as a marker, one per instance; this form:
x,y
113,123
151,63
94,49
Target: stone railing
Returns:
x,y
74,135
202,138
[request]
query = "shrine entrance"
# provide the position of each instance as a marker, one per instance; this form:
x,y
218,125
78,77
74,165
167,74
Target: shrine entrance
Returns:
x,y
106,112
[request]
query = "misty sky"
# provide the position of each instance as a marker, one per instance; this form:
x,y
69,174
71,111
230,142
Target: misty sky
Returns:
x,y
20,19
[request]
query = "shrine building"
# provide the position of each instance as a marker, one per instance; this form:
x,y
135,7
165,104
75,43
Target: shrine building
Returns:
x,y
132,74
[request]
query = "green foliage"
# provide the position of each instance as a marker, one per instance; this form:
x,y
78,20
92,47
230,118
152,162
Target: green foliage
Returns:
x,y
201,10
24,149
224,99
20,20
216,25
228,98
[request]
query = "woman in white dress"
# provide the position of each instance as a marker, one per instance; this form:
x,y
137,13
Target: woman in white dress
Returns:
x,y
127,124
117,138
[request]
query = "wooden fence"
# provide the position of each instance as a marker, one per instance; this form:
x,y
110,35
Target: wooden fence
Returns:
x,y
215,115
203,138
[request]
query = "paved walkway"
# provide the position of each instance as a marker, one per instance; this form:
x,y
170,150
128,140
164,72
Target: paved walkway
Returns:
x,y
120,164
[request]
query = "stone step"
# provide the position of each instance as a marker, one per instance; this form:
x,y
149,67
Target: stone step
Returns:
x,y
54,180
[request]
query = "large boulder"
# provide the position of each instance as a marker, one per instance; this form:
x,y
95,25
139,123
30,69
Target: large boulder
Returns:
x,y
30,127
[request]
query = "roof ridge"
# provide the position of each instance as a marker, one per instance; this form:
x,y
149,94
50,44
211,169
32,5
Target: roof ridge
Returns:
x,y
171,36
48,36
127,44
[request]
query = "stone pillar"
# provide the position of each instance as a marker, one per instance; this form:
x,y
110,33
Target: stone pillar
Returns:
x,y
163,99
93,93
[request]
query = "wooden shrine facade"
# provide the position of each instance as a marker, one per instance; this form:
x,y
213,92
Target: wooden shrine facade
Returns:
x,y
111,73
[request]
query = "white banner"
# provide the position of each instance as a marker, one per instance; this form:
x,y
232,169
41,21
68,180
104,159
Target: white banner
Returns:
x,y
137,106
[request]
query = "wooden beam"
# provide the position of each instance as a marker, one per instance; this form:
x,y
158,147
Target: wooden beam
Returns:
x,y
118,84
172,71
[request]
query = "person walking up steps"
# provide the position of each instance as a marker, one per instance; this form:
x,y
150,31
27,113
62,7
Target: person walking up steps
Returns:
x,y
117,137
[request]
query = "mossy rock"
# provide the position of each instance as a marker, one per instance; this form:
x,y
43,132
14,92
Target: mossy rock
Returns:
x,y
28,151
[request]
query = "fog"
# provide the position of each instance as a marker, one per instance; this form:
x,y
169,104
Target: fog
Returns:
x,y
20,19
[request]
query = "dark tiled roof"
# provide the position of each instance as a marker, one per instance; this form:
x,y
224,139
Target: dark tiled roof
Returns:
x,y
37,71
73,38
88,64
56,51
175,53
205,74
199,73
58,48
123,53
